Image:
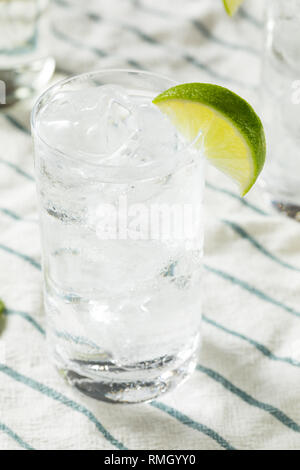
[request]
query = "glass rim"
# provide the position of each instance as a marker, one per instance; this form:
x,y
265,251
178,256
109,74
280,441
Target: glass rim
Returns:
x,y
50,91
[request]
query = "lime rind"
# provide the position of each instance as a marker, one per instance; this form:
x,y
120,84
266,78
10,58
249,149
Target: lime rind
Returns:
x,y
2,307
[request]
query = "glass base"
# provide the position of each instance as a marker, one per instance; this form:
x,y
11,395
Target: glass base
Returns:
x,y
290,210
136,383
22,81
282,201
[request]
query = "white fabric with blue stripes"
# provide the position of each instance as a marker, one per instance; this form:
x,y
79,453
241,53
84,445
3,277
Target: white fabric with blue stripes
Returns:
x,y
245,392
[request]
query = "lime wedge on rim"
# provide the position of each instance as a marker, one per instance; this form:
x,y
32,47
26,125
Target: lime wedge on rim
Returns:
x,y
221,124
231,6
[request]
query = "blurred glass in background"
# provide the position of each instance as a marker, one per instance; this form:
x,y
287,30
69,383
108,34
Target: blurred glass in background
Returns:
x,y
280,93
25,63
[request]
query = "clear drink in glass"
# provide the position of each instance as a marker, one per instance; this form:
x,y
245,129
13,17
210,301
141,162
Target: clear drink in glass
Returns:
x,y
120,195
280,93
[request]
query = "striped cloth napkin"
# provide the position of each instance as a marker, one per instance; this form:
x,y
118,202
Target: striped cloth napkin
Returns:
x,y
245,392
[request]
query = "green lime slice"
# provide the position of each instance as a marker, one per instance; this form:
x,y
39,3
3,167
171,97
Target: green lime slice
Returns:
x,y
231,6
220,123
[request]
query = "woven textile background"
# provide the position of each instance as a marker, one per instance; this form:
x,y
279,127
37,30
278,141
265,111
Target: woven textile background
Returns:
x,y
245,393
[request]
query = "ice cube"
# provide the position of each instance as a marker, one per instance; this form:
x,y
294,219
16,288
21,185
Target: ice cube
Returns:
x,y
108,125
93,121
157,137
